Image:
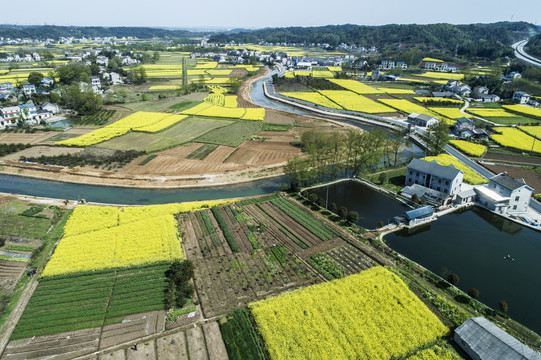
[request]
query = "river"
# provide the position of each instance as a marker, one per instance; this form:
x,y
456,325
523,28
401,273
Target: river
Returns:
x,y
132,196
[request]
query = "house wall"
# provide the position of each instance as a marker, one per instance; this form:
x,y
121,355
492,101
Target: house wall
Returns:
x,y
450,187
520,200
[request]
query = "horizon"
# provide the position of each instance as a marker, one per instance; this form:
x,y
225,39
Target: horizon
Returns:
x,y
236,14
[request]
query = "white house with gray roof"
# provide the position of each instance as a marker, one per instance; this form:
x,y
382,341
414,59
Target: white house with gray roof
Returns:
x,y
444,179
483,340
505,195
422,120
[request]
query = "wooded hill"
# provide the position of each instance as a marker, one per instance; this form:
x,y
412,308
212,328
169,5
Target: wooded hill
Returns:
x,y
534,46
55,32
438,36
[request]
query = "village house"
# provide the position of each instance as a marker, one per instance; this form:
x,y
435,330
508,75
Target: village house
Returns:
x,y
28,90
10,113
50,107
47,81
95,81
435,183
521,97
28,111
462,125
480,90
422,120
505,195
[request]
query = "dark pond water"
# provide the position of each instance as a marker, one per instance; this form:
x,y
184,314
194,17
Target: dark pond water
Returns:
x,y
474,245
372,206
127,196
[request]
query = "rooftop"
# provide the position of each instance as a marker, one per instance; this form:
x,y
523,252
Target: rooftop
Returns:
x,y
433,168
508,182
486,340
419,212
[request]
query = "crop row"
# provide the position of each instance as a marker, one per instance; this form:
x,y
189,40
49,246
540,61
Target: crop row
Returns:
x,y
326,266
514,138
303,218
240,337
225,230
355,102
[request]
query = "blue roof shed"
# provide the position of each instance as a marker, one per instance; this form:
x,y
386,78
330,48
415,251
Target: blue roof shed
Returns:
x,y
423,211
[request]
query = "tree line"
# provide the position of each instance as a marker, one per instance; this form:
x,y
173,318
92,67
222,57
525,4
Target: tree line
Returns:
x,y
440,36
328,155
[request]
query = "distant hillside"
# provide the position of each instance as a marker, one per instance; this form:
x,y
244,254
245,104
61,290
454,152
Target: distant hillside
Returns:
x,y
439,36
534,46
55,32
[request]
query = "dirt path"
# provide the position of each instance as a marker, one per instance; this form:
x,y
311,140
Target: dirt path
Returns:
x,y
244,91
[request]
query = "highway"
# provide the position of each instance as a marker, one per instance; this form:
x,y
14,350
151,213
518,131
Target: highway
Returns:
x,y
522,55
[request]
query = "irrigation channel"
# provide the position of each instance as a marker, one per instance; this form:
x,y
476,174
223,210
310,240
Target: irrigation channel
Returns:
x,y
474,244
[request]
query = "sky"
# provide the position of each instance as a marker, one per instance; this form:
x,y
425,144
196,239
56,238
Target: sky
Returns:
x,y
258,14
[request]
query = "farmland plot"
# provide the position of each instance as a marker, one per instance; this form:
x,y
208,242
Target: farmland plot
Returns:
x,y
231,274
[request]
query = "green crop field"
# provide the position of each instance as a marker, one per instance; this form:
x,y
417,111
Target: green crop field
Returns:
x,y
232,135
202,152
99,298
187,130
13,223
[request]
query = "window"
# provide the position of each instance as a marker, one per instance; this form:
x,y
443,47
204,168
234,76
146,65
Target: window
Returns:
x,y
416,181
514,207
417,174
446,182
438,188
516,198
439,181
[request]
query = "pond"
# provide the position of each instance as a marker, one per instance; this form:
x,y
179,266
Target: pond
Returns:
x,y
498,257
371,205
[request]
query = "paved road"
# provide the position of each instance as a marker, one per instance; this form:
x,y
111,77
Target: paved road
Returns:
x,y
522,55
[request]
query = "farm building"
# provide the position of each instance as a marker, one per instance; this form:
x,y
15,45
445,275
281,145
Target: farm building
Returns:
x,y
505,195
521,97
422,120
446,180
416,216
483,340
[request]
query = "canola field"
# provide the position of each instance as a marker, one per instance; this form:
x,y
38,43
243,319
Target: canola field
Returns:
x,y
356,86
524,110
515,138
469,148
101,237
314,98
354,102
370,315
140,121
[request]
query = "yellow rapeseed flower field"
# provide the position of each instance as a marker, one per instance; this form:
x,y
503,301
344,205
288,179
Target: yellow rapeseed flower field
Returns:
x,y
206,65
356,86
164,87
397,91
370,315
469,148
354,102
230,101
314,98
102,237
435,353
524,110
408,107
424,99
532,130
515,138
490,112
139,121
440,75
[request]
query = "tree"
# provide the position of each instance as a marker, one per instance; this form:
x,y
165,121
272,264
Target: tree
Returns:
x,y
353,217
35,78
383,178
333,208
453,279
504,307
179,288
474,293
415,198
436,138
343,212
155,56
84,102
137,75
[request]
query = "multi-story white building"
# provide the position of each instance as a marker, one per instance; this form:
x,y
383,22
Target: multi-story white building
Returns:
x,y
444,179
504,195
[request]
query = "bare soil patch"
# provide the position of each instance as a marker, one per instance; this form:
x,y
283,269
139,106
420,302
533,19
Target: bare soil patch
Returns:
x,y
25,138
531,177
37,151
